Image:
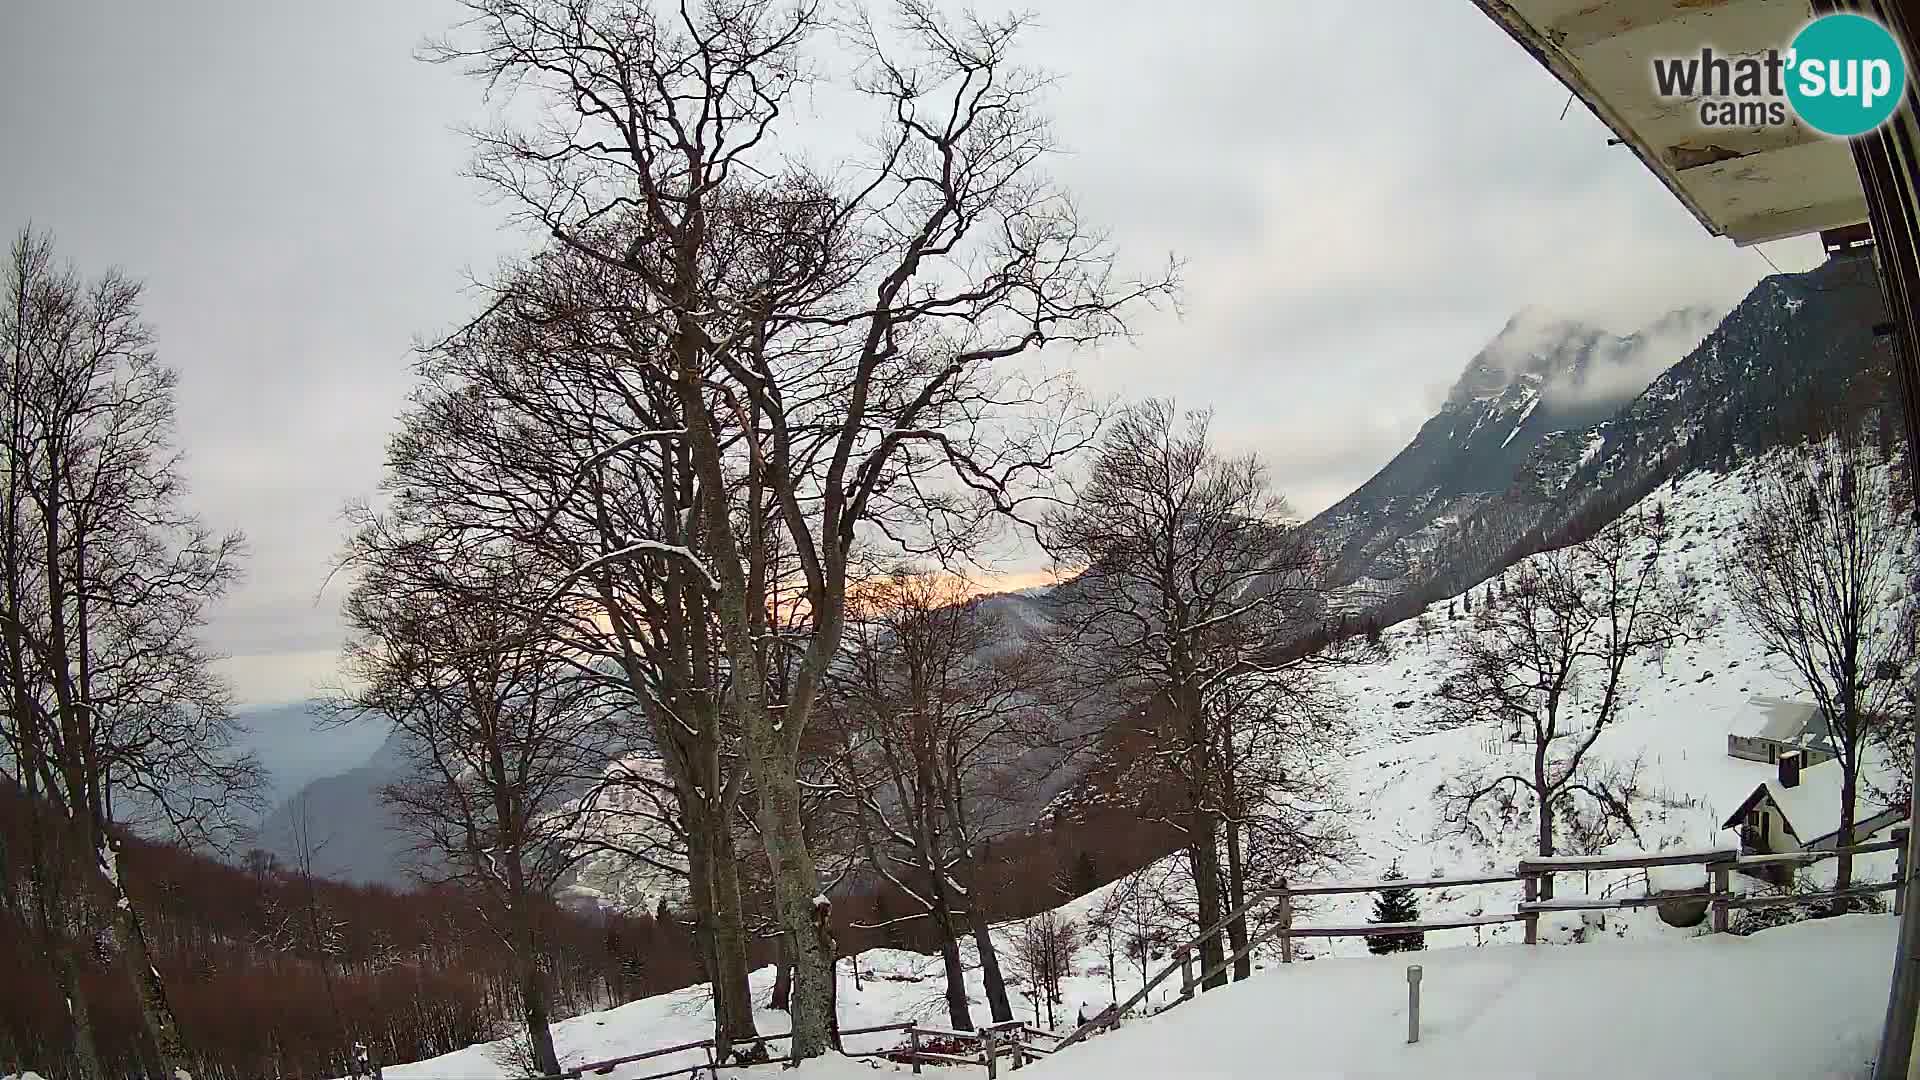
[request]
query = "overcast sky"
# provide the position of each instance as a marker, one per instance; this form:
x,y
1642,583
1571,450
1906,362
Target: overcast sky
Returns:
x,y
1363,194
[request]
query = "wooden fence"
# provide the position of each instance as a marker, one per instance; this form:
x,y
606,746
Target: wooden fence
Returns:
x,y
1017,1042
1534,876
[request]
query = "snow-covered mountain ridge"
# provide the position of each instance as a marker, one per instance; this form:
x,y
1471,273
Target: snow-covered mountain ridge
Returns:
x,y
1545,427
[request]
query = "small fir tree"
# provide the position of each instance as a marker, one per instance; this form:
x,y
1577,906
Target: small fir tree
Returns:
x,y
1395,905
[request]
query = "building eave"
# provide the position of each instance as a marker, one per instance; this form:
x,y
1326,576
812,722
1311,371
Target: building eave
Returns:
x,y
1751,185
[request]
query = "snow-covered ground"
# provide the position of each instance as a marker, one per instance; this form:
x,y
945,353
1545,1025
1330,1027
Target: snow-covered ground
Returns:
x,y
1799,1001
1676,722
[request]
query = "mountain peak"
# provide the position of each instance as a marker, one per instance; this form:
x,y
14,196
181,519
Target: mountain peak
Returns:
x,y
1536,345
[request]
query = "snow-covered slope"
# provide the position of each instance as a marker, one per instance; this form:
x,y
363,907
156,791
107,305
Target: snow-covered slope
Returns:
x,y
1797,1001
1675,723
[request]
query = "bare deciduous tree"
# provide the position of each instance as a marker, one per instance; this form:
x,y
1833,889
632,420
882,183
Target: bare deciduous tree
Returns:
x,y
940,723
831,342
114,717
1043,952
499,729
1195,586
1819,567
538,432
1549,664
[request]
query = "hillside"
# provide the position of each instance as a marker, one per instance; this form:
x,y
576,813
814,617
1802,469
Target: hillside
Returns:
x,y
1535,436
353,831
1675,723
1542,374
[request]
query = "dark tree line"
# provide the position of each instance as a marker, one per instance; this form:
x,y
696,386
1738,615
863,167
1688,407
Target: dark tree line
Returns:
x,y
413,974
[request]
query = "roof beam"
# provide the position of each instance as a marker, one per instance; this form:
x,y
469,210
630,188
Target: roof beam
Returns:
x,y
1597,22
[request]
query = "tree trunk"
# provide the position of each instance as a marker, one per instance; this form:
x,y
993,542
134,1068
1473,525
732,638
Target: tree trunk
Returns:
x,y
156,1013
86,1055
796,885
1543,803
533,998
1203,855
1236,899
1849,786
996,985
713,873
957,1012
533,991
783,978
732,996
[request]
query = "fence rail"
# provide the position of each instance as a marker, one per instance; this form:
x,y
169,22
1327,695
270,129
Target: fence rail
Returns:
x,y
1018,1042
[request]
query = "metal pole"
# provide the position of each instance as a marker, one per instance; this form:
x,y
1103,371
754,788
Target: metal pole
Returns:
x,y
1413,1003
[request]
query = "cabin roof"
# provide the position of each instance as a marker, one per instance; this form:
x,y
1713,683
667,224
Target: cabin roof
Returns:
x,y
1812,807
1779,719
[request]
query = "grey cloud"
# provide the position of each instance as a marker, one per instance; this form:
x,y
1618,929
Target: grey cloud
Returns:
x,y
1363,193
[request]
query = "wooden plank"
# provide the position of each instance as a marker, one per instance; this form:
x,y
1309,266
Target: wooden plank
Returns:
x,y
1388,929
874,1030
1588,903
948,1059
1780,858
1339,887
1562,863
945,1033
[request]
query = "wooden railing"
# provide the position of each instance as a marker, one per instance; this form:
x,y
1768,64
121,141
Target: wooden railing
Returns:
x,y
1018,1042
1534,875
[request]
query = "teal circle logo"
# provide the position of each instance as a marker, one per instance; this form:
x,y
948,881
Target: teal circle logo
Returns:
x,y
1845,75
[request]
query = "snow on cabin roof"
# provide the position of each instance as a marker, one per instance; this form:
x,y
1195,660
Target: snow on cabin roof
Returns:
x,y
1812,807
1778,719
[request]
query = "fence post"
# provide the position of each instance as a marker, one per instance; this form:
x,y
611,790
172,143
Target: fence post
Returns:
x,y
986,1053
1900,870
913,1043
1186,973
1722,885
1286,923
1413,1003
1530,891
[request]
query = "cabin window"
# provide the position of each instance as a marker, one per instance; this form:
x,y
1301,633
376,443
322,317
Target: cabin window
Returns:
x,y
1773,754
